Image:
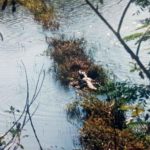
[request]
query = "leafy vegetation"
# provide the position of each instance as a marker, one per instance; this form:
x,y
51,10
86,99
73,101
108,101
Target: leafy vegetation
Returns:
x,y
125,91
143,3
104,126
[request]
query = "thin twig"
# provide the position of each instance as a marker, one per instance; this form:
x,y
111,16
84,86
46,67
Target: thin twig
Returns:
x,y
123,15
140,41
1,35
34,131
102,18
32,114
40,87
35,92
29,104
27,86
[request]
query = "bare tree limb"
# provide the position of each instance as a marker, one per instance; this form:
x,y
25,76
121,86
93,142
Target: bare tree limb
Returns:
x,y
123,15
101,17
140,41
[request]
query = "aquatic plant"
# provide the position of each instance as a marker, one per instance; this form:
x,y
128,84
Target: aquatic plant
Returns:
x,y
70,56
43,12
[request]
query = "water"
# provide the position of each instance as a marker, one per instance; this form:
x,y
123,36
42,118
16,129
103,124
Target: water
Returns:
x,y
81,21
24,40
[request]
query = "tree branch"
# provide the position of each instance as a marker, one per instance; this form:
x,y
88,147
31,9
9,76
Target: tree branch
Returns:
x,y
123,15
100,15
117,34
141,40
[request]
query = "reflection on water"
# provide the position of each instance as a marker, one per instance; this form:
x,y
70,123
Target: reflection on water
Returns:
x,y
24,40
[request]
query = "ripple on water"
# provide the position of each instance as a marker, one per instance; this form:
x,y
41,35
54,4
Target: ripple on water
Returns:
x,y
24,40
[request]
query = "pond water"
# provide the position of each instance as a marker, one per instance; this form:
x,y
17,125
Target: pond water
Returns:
x,y
24,39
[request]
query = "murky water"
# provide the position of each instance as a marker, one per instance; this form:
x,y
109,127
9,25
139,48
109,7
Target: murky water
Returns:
x,y
24,40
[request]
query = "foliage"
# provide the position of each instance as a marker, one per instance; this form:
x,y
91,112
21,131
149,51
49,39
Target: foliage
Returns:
x,y
97,135
104,126
143,3
144,34
125,91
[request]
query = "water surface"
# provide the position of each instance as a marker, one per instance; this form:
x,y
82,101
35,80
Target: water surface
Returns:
x,y
24,39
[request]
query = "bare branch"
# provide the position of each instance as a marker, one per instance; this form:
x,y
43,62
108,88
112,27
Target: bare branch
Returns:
x,y
34,131
123,15
100,15
140,41
40,87
32,114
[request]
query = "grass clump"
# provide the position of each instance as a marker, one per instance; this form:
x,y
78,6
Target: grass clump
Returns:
x,y
70,57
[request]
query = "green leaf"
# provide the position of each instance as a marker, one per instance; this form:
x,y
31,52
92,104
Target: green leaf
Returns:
x,y
143,26
126,107
133,36
137,112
